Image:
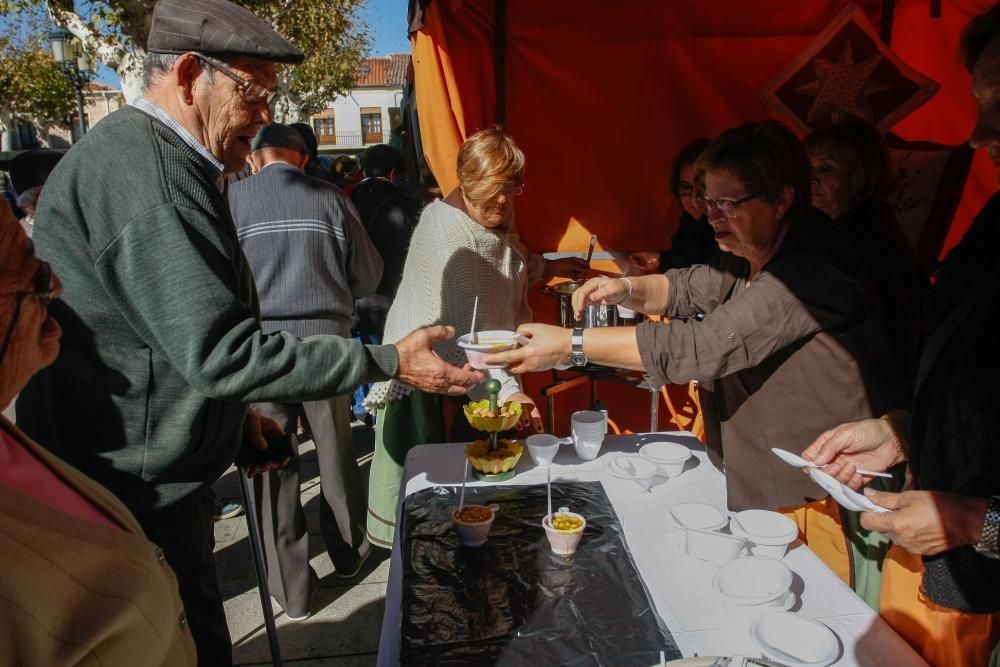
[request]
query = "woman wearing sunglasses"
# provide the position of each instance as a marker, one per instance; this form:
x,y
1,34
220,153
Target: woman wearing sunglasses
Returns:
x,y
787,345
80,582
465,246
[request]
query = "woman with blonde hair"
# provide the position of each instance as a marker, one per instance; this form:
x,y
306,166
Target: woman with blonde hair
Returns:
x,y
465,245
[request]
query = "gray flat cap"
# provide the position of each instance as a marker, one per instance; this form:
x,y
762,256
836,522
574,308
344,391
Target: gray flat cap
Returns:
x,y
216,28
277,135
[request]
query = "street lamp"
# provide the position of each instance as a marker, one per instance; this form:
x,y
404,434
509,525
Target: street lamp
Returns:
x,y
76,63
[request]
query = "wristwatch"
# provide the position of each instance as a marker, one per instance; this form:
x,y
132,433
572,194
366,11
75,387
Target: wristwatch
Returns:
x,y
989,542
577,357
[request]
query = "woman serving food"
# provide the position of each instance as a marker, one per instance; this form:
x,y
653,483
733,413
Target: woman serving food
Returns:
x,y
787,343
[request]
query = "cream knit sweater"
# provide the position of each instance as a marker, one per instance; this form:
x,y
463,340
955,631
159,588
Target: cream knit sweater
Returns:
x,y
451,260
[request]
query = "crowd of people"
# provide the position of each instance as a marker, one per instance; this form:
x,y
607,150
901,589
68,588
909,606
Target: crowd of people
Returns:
x,y
152,340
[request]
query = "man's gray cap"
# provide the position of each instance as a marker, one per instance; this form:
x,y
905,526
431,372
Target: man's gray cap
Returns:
x,y
277,135
216,28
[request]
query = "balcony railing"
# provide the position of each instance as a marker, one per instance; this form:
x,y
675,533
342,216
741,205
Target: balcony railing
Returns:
x,y
350,139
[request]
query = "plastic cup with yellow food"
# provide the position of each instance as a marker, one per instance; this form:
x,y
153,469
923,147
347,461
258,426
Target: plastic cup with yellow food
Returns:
x,y
564,530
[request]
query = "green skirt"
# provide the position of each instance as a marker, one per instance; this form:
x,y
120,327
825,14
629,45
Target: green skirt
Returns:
x,y
399,427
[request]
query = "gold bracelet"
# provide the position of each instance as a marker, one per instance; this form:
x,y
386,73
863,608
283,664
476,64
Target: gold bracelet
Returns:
x,y
900,456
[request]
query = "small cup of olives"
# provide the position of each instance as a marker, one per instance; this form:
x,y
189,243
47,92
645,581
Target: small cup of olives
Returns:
x,y
564,530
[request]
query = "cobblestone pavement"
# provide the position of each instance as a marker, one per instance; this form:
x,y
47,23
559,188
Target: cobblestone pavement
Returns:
x,y
346,620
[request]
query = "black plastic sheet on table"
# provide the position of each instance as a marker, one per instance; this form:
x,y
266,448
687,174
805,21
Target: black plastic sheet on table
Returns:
x,y
512,601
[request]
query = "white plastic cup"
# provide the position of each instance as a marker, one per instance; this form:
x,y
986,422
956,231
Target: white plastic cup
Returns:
x,y
588,428
588,423
588,450
474,534
543,448
563,542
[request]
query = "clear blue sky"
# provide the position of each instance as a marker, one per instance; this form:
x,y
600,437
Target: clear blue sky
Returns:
x,y
386,20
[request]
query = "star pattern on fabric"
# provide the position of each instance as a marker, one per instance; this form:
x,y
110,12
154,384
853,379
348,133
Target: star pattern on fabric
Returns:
x,y
842,88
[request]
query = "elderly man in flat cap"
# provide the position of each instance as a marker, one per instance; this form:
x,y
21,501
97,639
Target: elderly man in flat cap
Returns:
x,y
311,258
162,345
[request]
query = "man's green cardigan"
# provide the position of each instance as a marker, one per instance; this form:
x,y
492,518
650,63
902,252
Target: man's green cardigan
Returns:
x,y
161,346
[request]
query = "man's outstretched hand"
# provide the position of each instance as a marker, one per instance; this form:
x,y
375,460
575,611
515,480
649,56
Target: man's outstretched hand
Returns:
x,y
421,367
254,455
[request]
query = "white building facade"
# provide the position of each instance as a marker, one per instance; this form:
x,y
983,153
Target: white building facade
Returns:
x,y
369,112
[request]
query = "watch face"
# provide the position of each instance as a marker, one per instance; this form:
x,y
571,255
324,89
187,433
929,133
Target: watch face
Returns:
x,y
578,359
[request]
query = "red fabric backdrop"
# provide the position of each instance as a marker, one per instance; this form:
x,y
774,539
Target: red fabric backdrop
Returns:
x,y
601,96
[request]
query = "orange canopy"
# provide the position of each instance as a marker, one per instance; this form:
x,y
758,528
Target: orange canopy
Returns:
x,y
602,95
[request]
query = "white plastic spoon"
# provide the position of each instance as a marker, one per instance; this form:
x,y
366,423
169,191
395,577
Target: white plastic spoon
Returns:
x,y
473,338
799,462
548,490
461,495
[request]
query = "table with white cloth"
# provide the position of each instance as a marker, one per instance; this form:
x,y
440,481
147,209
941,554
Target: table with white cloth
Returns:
x,y
679,585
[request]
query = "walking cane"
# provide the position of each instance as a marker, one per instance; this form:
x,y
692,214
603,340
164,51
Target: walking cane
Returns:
x,y
257,551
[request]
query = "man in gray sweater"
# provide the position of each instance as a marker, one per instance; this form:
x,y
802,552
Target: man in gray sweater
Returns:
x,y
310,257
161,346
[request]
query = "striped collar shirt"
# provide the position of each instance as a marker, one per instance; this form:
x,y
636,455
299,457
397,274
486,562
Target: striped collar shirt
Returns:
x,y
144,105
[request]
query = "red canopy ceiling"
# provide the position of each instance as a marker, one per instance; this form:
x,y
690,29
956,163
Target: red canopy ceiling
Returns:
x,y
601,96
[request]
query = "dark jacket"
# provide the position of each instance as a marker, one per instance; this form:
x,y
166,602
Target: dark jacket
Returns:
x,y
161,345
692,243
955,426
897,278
390,217
779,362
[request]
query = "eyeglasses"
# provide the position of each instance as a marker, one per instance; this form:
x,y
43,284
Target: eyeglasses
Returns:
x,y
726,206
251,91
42,288
42,284
514,190
684,189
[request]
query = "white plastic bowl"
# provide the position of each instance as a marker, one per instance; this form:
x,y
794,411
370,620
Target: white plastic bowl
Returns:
x,y
754,582
543,448
670,456
795,640
712,547
489,343
700,522
768,533
701,516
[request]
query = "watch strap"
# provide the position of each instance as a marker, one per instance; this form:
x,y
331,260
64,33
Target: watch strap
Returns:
x,y
577,357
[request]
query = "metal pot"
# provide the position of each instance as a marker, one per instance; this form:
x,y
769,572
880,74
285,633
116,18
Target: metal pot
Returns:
x,y
594,316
